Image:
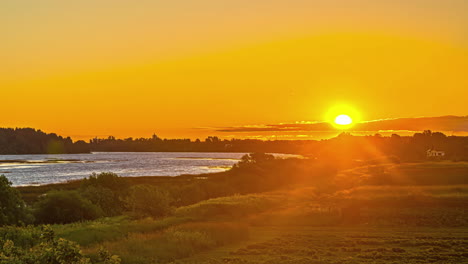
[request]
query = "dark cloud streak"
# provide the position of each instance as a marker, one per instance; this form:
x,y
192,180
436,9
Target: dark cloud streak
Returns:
x,y
442,123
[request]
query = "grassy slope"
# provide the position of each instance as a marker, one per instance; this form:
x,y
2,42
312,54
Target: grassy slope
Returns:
x,y
395,224
288,226
303,231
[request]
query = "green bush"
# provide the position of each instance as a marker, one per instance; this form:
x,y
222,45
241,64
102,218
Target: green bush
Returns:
x,y
106,180
146,200
48,249
65,207
105,198
107,191
24,237
13,210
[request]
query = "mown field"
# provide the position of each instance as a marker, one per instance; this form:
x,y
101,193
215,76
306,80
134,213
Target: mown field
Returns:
x,y
345,245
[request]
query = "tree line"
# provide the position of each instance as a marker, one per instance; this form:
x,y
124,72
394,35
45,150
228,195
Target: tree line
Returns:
x,y
32,141
405,148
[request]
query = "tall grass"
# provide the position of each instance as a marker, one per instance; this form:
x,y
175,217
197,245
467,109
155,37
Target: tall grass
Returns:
x,y
176,242
232,207
111,229
405,192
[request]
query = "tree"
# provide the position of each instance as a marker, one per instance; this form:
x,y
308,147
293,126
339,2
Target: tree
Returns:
x,y
65,207
31,141
255,158
106,190
108,180
146,200
12,208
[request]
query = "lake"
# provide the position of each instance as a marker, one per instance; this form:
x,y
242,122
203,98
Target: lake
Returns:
x,y
45,169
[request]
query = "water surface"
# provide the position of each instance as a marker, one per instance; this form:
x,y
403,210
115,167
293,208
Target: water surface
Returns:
x,y
44,169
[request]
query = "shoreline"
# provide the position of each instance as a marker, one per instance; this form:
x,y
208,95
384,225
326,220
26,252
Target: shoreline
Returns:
x,y
125,164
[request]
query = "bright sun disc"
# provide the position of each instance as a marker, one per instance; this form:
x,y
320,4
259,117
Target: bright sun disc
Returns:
x,y
342,116
343,120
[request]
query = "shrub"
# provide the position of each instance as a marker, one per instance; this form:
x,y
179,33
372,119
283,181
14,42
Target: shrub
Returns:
x,y
65,207
12,208
255,158
48,249
107,180
109,201
146,200
106,190
24,237
107,258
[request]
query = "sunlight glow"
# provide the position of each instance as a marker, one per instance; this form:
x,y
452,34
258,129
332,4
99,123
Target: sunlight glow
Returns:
x,y
342,116
343,120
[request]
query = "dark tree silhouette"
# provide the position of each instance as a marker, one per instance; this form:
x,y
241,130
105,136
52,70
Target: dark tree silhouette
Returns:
x,y
344,146
31,141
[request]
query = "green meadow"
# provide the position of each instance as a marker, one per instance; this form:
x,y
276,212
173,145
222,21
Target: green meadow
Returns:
x,y
385,213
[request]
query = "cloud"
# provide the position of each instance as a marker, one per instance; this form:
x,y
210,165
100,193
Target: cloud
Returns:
x,y
442,123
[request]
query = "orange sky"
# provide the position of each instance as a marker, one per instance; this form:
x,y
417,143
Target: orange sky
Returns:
x,y
185,68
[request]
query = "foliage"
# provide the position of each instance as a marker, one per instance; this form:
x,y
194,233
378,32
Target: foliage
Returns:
x,y
344,148
107,180
65,207
24,237
106,191
199,190
210,144
31,141
144,200
106,257
105,199
12,208
255,158
47,248
257,173
201,227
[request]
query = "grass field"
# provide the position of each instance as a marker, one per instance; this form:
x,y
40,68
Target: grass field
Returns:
x,y
292,226
408,220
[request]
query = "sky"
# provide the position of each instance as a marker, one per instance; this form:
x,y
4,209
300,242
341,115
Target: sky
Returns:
x,y
195,68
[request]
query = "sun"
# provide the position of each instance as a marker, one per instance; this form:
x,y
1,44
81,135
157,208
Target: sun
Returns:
x,y
343,120
342,116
